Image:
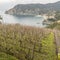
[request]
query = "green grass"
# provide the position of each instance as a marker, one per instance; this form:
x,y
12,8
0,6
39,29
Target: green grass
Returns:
x,y
58,56
4,56
48,48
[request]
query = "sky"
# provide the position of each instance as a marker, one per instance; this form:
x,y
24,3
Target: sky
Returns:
x,y
8,4
29,1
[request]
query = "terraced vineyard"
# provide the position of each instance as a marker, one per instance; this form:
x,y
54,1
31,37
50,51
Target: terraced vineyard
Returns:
x,y
27,43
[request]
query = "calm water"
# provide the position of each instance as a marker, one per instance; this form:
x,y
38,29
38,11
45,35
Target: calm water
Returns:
x,y
24,20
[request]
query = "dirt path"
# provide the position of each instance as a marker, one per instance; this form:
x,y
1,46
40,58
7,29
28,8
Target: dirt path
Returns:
x,y
57,39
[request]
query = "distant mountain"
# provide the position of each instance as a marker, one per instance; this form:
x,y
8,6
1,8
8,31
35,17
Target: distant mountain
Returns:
x,y
34,9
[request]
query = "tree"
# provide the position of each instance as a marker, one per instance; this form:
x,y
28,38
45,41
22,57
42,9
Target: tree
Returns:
x,y
57,16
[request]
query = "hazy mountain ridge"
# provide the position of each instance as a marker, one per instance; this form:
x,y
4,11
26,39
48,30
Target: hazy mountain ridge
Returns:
x,y
34,9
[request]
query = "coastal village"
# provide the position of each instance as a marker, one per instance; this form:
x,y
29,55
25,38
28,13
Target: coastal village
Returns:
x,y
50,19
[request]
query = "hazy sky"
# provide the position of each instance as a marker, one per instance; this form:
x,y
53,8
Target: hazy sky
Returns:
x,y
29,1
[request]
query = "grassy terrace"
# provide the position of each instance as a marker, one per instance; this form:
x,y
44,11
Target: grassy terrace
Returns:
x,y
26,43
58,56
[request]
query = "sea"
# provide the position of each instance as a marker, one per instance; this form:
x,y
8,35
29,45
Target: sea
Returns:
x,y
29,20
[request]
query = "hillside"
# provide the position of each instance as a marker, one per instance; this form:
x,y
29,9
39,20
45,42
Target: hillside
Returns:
x,y
34,9
27,43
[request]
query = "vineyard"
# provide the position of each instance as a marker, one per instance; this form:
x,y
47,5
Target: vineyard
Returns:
x,y
27,43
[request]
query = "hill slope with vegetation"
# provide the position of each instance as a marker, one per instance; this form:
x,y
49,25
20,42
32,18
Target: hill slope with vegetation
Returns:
x,y
27,43
34,9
